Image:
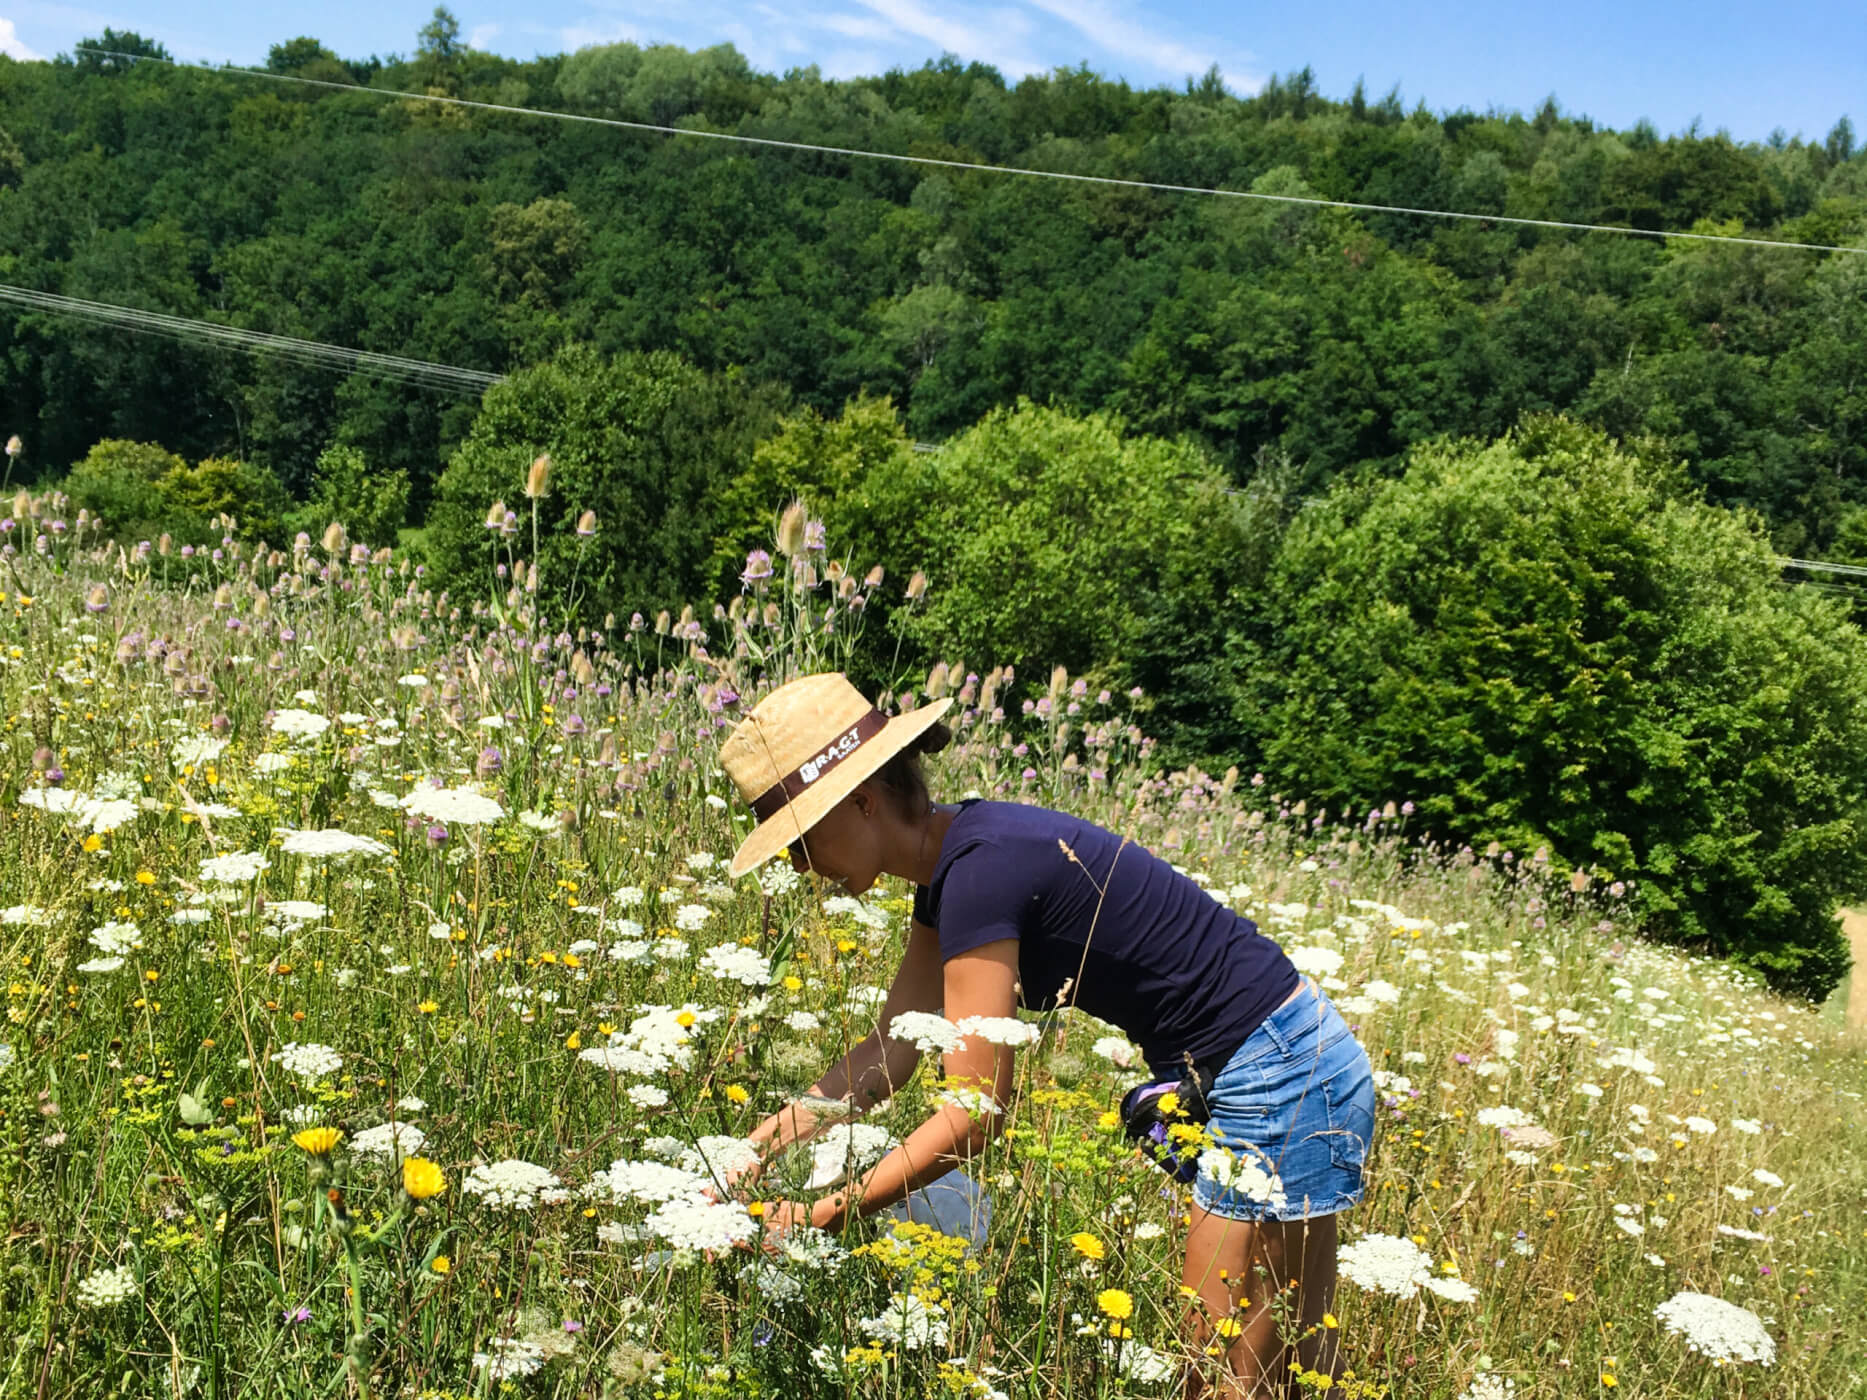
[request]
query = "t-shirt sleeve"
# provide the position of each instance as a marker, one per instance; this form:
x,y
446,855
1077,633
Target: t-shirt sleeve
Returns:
x,y
982,899
923,908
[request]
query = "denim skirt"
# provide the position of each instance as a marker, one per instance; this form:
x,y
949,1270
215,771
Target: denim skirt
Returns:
x,y
1292,1118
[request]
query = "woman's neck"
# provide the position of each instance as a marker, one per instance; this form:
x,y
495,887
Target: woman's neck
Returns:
x,y
917,855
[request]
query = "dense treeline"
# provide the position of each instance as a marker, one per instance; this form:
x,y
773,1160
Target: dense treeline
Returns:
x,y
490,241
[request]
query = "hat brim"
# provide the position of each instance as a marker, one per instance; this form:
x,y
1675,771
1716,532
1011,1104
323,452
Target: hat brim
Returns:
x,y
799,815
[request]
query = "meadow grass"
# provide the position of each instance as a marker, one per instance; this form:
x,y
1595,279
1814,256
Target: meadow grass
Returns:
x,y
530,977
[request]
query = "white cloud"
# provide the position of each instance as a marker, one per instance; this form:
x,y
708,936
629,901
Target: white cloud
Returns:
x,y
481,35
1143,40
955,36
582,36
12,47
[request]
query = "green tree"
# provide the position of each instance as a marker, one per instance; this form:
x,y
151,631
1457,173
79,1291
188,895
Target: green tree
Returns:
x,y
644,441
121,481
1548,640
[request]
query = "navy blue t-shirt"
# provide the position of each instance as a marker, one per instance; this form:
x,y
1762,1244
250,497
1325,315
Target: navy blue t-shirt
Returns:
x,y
1141,945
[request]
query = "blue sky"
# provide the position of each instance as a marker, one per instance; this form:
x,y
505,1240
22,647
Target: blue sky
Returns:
x,y
1747,67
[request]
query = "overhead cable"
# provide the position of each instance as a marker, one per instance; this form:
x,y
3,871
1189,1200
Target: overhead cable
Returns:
x,y
855,154
315,353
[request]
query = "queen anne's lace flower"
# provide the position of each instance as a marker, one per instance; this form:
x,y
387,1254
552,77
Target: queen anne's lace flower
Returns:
x,y
332,844
1000,1030
115,938
509,1358
908,1322
107,1287
1717,1329
928,1033
513,1184
388,1140
843,1149
458,806
309,1062
235,868
299,724
653,1182
734,962
1242,1172
1385,1264
689,1223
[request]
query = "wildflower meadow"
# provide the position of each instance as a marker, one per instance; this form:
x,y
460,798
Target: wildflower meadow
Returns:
x,y
380,1022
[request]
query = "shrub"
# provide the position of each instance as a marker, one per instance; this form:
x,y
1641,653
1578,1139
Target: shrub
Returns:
x,y
370,504
1545,641
120,481
216,486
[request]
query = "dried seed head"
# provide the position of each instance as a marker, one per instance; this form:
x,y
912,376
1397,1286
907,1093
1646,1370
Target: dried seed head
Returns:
x,y
772,616
14,446
791,530
874,578
333,537
586,524
496,515
917,587
538,479
662,623
936,681
1578,882
581,668
1059,681
22,504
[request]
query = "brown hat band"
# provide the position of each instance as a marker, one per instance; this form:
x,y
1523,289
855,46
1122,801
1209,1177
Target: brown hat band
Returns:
x,y
797,782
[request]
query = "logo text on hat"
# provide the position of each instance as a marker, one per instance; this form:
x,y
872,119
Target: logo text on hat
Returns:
x,y
834,753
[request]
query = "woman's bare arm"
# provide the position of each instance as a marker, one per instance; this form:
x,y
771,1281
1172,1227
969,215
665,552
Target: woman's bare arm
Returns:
x,y
877,1066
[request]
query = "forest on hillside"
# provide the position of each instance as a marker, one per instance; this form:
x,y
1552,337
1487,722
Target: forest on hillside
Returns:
x,y
1329,339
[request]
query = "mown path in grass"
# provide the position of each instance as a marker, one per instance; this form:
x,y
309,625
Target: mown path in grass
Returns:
x,y
1855,924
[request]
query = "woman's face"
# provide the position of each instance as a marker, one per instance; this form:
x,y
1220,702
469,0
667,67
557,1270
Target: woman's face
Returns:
x,y
843,848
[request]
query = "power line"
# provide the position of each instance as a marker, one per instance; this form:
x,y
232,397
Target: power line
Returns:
x,y
317,354
1822,566
855,154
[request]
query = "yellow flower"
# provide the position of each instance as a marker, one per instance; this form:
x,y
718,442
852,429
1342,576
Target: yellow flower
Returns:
x,y
145,877
737,1093
1328,1320
1228,1327
427,1008
1109,1121
318,1141
1089,1246
422,1178
93,843
573,1041
441,1264
1115,1303
685,1020
793,984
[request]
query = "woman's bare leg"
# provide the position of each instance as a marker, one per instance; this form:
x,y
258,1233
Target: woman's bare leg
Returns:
x,y
1237,1269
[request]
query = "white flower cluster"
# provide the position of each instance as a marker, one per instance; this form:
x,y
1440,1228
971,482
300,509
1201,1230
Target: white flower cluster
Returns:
x,y
843,1149
909,1322
509,1358
690,1223
107,1287
1117,1050
1717,1329
717,1157
654,1041
461,806
309,1062
114,938
928,1032
1000,1030
1486,1386
1503,1116
7,1056
1385,1264
235,868
1317,962
301,725
332,845
690,917
860,910
1142,1365
1243,1173
388,1140
734,962
513,1184
651,1182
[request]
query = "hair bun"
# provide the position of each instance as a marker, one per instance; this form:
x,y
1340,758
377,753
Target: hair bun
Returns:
x,y
933,739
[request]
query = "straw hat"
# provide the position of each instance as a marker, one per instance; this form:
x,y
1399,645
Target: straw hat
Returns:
x,y
803,749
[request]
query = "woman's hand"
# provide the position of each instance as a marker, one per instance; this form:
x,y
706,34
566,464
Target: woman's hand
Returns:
x,y
781,1218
